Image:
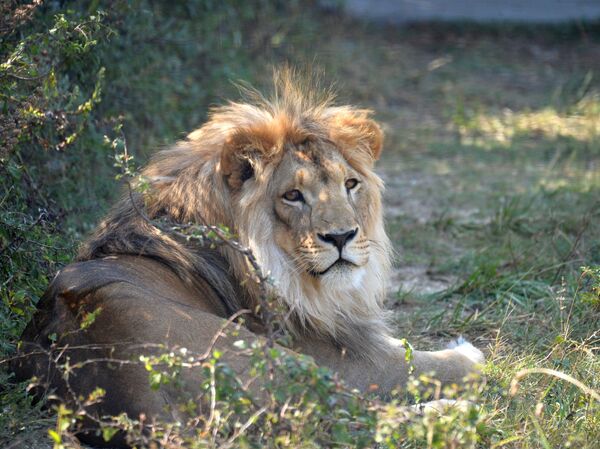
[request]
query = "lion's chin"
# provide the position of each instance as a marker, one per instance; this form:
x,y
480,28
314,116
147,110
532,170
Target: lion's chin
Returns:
x,y
343,277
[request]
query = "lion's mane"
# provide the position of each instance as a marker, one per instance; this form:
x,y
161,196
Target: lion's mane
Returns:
x,y
201,179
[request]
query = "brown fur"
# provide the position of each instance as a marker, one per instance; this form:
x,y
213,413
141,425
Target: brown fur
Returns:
x,y
234,170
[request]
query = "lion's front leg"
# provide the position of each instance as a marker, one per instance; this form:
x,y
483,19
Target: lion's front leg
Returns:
x,y
390,370
450,365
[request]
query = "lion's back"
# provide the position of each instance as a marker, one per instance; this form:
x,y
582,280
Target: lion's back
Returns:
x,y
102,302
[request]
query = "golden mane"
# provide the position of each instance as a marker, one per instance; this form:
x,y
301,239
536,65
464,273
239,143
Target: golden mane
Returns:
x,y
202,179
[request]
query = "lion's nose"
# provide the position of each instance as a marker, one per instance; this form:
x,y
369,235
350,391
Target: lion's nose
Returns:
x,y
340,239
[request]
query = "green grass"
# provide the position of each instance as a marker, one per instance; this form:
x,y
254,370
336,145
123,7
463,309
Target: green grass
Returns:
x,y
492,167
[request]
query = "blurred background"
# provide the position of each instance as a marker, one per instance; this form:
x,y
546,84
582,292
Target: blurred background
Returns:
x,y
491,111
529,12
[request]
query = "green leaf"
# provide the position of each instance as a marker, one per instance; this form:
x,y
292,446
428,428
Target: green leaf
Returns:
x,y
108,433
55,436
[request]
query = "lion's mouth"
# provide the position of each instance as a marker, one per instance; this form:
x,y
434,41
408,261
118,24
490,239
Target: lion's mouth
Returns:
x,y
338,263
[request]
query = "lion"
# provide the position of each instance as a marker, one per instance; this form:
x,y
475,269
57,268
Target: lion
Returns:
x,y
292,176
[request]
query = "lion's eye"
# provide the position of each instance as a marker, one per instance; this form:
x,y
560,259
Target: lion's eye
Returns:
x,y
293,195
351,183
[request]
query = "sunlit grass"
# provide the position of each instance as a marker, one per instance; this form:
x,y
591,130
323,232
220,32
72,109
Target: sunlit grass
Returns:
x,y
486,130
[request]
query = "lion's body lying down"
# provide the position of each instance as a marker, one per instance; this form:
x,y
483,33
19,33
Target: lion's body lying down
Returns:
x,y
293,178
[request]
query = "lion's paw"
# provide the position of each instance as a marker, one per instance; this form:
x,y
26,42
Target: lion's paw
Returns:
x,y
465,348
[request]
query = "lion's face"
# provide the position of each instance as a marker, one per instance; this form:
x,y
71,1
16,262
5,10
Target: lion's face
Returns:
x,y
306,201
319,205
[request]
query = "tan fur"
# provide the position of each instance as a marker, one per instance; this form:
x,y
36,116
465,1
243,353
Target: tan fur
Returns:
x,y
235,171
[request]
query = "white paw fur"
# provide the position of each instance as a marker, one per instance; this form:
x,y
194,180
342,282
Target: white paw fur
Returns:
x,y
465,348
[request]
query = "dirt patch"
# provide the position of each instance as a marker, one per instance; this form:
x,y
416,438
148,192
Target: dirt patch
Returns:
x,y
419,280
412,196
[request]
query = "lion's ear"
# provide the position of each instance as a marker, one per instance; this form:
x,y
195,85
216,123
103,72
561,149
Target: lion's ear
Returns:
x,y
238,158
237,168
355,130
